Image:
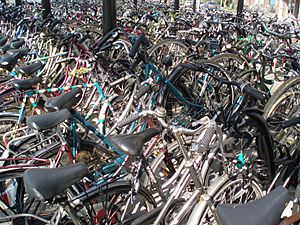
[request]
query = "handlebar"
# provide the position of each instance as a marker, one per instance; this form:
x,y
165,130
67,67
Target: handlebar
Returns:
x,y
285,35
159,114
139,41
244,87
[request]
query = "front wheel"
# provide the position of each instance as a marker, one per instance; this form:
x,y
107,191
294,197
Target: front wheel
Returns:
x,y
225,191
190,94
114,204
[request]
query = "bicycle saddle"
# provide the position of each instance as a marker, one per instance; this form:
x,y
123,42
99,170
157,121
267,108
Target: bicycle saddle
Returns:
x,y
132,144
64,101
17,43
3,40
11,46
46,183
17,53
10,59
27,83
29,69
8,62
47,121
4,48
264,211
2,80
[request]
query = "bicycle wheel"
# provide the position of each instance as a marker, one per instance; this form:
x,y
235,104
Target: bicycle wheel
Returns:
x,y
8,122
176,49
229,191
165,164
92,154
12,199
93,34
232,63
113,204
284,105
199,89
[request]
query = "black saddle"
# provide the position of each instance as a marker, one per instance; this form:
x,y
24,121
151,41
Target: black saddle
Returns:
x,y
2,80
8,62
46,183
17,53
17,43
3,40
29,69
132,144
4,48
26,84
64,101
264,211
47,121
10,59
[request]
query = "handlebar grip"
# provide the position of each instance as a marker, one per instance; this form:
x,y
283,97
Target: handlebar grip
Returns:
x,y
253,92
190,66
136,45
65,40
142,91
102,41
44,22
204,142
84,38
297,33
291,122
53,24
152,18
129,120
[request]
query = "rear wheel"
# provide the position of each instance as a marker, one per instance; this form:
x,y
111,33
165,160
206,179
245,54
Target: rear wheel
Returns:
x,y
113,204
231,192
282,106
7,123
172,48
232,63
199,89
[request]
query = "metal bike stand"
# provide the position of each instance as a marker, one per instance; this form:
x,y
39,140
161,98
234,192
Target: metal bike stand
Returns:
x,y
176,5
240,7
46,6
109,15
194,5
18,2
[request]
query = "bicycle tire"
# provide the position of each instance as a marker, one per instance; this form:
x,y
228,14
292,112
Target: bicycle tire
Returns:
x,y
283,105
242,63
278,95
180,79
8,122
115,188
167,45
201,212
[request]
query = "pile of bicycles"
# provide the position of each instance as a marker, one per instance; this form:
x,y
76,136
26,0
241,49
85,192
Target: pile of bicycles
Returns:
x,y
170,118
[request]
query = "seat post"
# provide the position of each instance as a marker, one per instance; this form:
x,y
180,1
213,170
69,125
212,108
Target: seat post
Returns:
x,y
152,178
